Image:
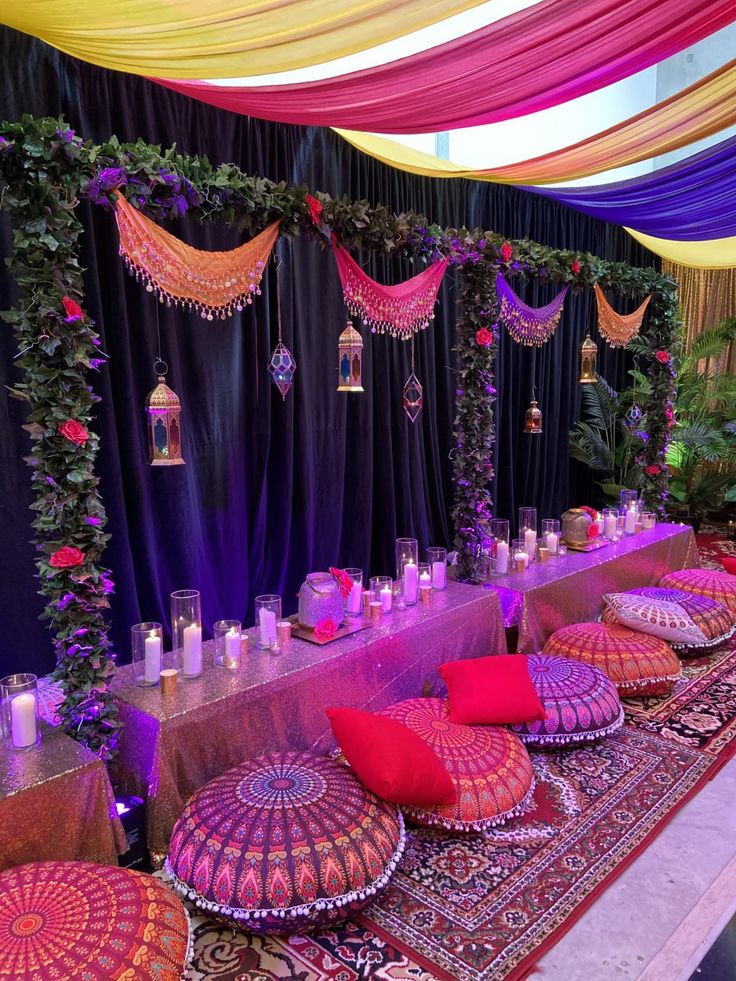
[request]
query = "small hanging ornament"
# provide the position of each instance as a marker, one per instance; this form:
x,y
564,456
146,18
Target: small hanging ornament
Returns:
x,y
588,352
413,392
164,427
282,365
533,418
350,360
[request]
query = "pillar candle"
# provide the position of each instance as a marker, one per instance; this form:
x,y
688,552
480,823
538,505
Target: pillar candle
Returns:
x,y
192,655
232,648
411,583
355,598
630,522
438,575
268,627
530,542
552,542
502,557
609,526
23,719
387,599
152,659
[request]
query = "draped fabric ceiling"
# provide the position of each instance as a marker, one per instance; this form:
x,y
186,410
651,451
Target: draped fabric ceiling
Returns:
x,y
686,212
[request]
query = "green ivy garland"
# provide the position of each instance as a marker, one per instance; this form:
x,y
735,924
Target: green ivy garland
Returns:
x,y
46,168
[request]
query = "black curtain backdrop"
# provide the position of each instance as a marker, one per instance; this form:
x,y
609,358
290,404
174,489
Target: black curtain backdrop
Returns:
x,y
272,489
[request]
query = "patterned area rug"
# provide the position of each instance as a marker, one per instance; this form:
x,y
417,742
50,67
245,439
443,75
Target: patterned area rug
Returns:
x,y
713,545
484,907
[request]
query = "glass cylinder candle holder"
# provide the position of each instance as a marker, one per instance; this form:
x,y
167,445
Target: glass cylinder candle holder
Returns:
x,y
543,552
630,516
437,560
19,711
648,520
147,645
382,588
354,599
268,613
519,556
227,635
528,530
186,633
399,600
627,498
609,524
562,549
425,574
407,568
500,549
550,537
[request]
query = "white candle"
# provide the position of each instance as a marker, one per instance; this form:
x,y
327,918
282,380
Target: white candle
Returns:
x,y
630,522
387,599
268,627
438,575
192,659
521,557
411,582
23,719
425,580
355,598
152,659
502,557
609,527
232,648
552,542
530,542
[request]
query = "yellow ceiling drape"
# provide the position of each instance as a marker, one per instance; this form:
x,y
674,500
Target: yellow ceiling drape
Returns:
x,y
704,108
714,253
221,38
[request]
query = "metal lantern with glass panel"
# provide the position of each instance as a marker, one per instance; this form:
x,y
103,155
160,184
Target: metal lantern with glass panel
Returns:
x,y
350,360
164,425
533,419
588,361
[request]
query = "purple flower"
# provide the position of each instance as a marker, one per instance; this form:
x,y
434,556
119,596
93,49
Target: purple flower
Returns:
x,y
5,145
65,135
111,177
96,362
167,177
91,520
96,341
65,601
180,204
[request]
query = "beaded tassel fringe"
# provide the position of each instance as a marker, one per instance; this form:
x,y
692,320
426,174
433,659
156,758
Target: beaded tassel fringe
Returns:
x,y
618,328
531,326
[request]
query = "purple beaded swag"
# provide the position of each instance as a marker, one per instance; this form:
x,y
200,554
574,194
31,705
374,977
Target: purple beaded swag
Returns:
x,y
285,843
531,326
580,701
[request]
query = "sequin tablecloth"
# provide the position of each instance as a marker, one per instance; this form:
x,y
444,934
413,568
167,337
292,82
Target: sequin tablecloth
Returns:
x,y
56,803
568,589
172,746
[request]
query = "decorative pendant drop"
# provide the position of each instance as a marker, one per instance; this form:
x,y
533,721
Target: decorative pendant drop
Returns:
x,y
533,419
281,368
164,422
413,397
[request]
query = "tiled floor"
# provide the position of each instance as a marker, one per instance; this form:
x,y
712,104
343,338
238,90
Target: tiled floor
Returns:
x,y
719,964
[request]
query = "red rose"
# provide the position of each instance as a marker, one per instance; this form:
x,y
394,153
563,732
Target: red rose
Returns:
x,y
345,581
593,530
314,207
74,431
67,557
506,251
483,337
653,469
591,512
326,628
663,357
575,266
73,309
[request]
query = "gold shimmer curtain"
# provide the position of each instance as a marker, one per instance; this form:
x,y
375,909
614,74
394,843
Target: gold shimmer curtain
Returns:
x,y
220,38
707,296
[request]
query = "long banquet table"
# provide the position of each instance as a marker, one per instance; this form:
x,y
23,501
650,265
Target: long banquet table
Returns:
x,y
568,589
172,746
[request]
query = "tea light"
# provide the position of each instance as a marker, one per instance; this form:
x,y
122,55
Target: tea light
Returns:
x,y
425,592
167,679
23,720
375,610
425,580
544,552
283,633
368,597
562,549
521,561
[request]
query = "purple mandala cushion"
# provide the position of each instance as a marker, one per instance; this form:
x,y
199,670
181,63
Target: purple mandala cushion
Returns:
x,y
719,586
284,843
715,620
78,920
580,701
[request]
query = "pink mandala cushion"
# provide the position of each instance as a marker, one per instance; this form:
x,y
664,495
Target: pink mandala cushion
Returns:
x,y
581,702
719,586
92,922
284,843
636,663
714,621
488,764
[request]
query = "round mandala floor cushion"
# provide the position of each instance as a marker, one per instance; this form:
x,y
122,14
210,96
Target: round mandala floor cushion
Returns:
x,y
489,765
581,703
636,663
719,586
284,843
687,621
78,920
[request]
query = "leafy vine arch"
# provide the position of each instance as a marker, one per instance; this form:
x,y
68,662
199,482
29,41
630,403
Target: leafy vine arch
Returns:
x,y
46,169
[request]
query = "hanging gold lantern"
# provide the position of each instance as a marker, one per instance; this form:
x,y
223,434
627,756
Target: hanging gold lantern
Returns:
x,y
350,360
588,357
164,427
533,419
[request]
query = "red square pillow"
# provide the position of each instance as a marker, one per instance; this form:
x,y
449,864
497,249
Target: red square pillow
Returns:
x,y
391,760
491,689
729,564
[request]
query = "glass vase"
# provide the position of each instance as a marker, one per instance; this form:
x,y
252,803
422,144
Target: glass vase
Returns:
x,y
382,588
550,536
437,561
146,644
648,520
610,523
500,563
528,531
407,568
627,498
227,635
268,614
186,633
354,599
19,711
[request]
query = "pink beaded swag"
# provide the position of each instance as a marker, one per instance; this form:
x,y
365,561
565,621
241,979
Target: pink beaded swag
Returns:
x,y
400,310
531,326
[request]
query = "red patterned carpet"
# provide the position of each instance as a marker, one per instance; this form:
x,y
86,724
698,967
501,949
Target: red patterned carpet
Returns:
x,y
712,545
485,907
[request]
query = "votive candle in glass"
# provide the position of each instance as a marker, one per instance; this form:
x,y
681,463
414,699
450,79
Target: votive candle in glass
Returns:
x,y
19,703
519,555
354,599
407,568
146,643
610,516
227,635
425,574
382,589
627,499
283,633
630,518
186,632
437,560
648,520
268,613
550,537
